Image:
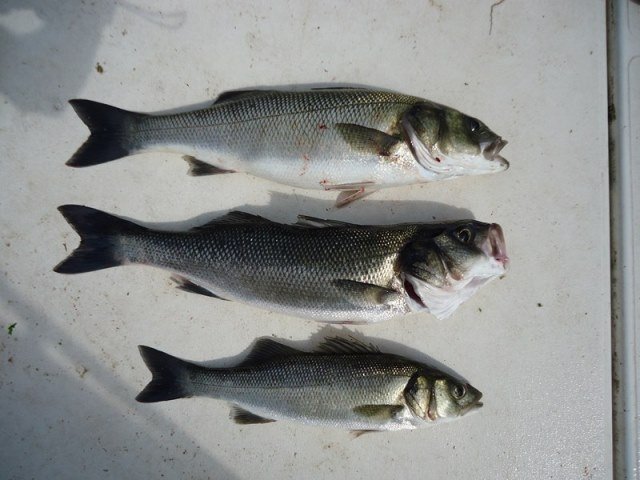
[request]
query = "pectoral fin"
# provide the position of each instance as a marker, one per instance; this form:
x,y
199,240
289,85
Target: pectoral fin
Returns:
x,y
378,412
367,139
360,292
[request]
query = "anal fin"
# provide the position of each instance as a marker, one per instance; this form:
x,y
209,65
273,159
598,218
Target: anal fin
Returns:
x,y
186,285
244,417
198,168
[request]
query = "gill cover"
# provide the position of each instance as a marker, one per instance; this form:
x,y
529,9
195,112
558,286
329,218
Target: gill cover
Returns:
x,y
417,395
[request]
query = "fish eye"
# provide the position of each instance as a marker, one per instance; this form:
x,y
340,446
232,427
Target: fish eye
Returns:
x,y
464,235
459,391
474,124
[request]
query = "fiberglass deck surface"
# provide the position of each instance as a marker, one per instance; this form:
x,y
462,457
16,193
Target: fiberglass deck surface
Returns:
x,y
537,342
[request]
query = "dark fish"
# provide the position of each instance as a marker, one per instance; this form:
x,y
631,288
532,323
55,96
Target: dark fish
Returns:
x,y
325,270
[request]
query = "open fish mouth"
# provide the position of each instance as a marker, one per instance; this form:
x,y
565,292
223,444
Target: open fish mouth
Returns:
x,y
491,152
495,246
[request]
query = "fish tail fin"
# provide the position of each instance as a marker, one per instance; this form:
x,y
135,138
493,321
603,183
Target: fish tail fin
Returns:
x,y
170,377
99,232
109,128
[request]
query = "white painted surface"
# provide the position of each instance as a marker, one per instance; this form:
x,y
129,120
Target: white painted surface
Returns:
x,y
537,343
624,71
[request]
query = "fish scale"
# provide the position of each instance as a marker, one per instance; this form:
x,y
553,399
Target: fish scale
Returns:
x,y
246,263
324,270
343,384
316,390
349,140
252,136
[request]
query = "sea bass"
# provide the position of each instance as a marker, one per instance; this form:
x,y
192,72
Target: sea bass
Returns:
x,y
351,140
345,384
324,270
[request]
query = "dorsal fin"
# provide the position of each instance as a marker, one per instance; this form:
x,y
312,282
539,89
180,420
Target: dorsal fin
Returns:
x,y
315,89
340,345
268,349
235,217
233,95
313,222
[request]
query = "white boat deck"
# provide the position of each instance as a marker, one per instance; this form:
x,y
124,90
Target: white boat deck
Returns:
x,y
537,342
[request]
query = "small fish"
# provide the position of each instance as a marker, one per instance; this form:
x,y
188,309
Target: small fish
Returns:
x,y
349,140
344,383
325,270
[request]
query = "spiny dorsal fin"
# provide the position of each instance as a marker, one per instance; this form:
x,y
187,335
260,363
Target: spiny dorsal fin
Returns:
x,y
268,349
320,89
233,95
314,222
367,139
341,345
234,218
245,417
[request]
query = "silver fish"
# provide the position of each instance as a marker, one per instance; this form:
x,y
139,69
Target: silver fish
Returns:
x,y
345,384
351,140
320,269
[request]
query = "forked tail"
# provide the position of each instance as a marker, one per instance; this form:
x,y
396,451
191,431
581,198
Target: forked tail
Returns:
x,y
99,239
110,133
170,376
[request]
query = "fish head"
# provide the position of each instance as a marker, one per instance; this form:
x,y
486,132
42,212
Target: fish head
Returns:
x,y
431,395
452,398
441,272
447,143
